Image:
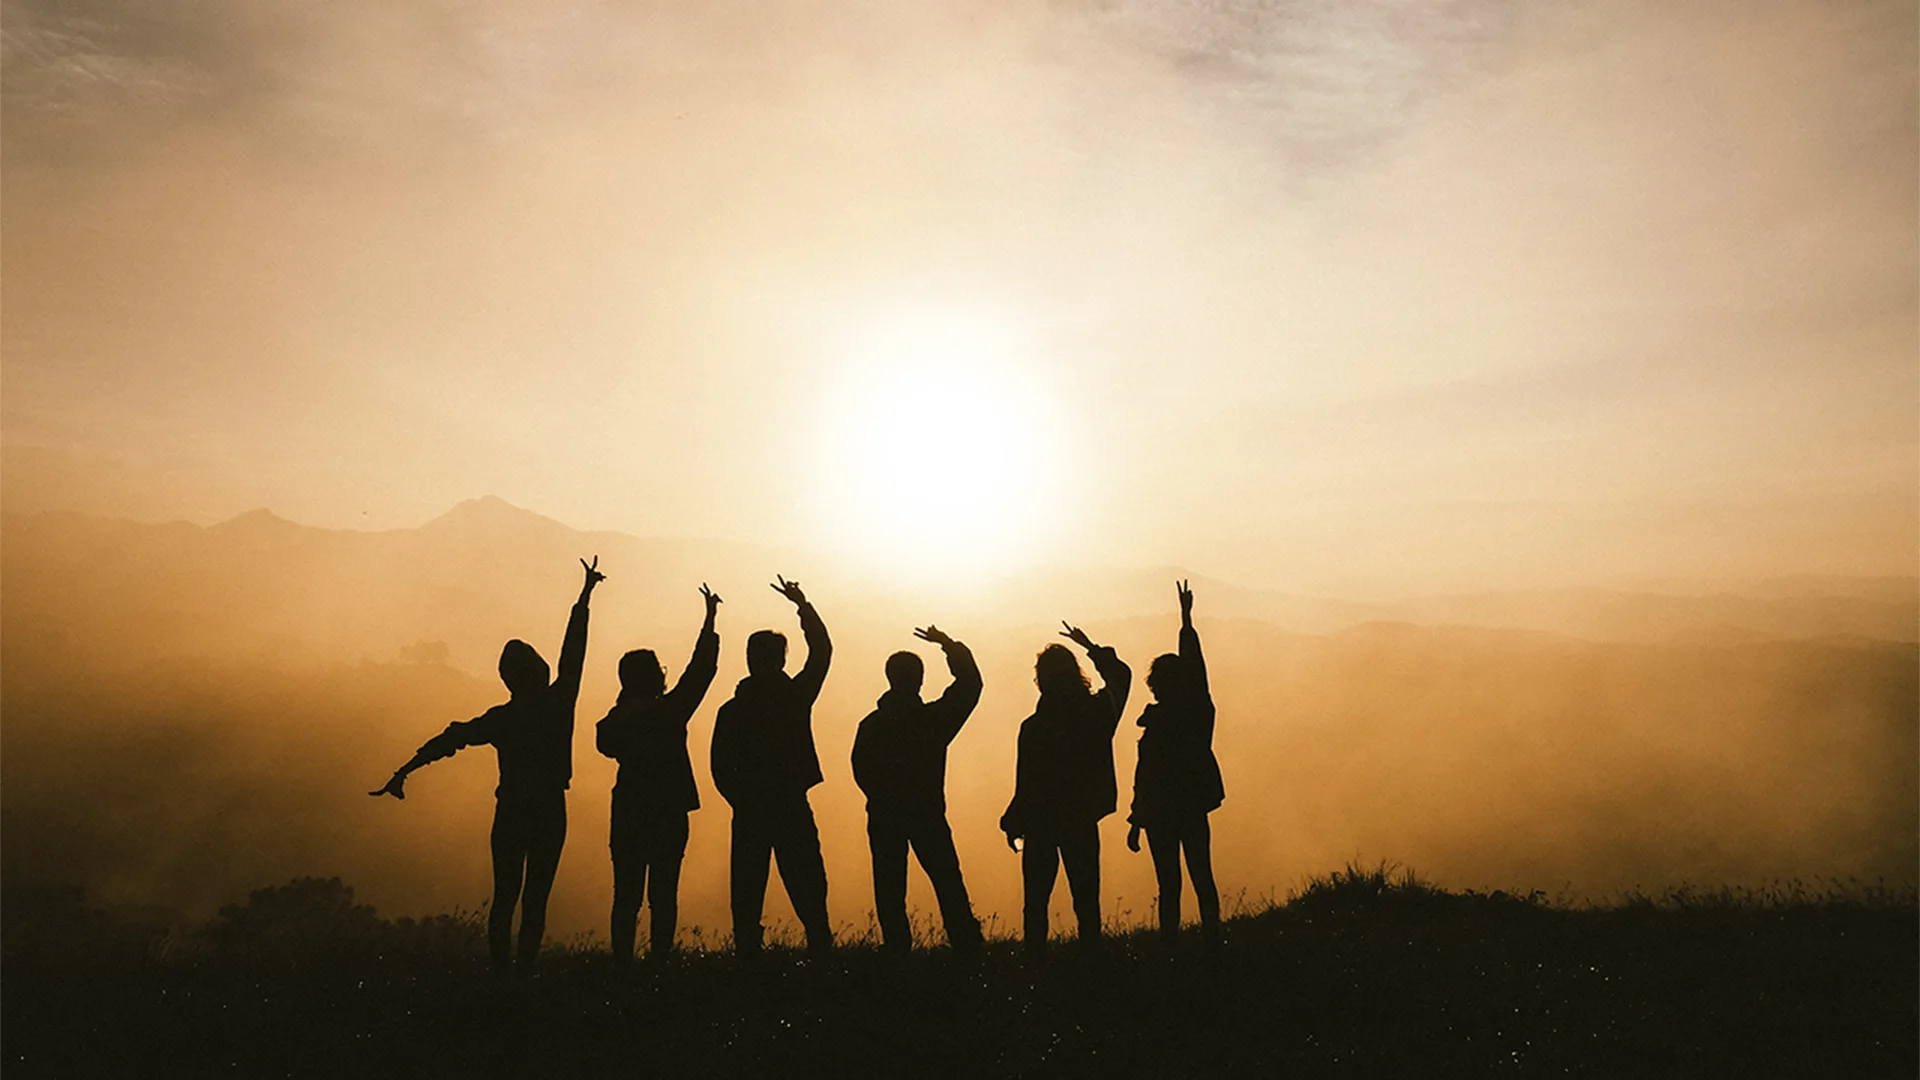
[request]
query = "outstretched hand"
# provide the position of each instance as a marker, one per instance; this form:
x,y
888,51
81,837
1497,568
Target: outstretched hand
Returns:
x,y
394,787
1186,599
712,598
1133,838
934,634
1077,636
594,576
790,590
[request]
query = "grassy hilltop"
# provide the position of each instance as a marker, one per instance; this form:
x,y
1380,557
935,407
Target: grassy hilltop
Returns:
x,y
1363,973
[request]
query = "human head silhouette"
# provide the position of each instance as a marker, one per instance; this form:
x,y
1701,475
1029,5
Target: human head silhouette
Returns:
x,y
522,669
766,652
905,672
1166,677
641,674
1057,671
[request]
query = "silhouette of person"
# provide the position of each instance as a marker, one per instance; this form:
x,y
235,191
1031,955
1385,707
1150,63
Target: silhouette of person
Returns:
x,y
1064,782
900,763
764,762
1177,782
533,735
646,732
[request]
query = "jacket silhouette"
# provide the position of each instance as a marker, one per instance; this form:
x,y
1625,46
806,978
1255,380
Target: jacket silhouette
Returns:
x,y
764,762
1064,782
646,732
900,763
532,734
1177,781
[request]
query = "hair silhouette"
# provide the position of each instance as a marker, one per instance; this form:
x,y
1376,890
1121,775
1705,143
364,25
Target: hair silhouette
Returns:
x,y
766,652
1057,671
641,674
906,672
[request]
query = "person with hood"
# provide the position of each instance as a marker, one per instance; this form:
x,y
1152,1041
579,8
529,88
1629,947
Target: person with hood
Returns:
x,y
764,762
1177,781
646,732
1064,782
532,732
900,763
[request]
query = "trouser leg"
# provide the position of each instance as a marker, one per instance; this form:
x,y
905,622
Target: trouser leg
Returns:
x,y
804,873
1080,850
752,848
1198,842
548,836
1164,842
1039,866
668,850
508,843
629,886
887,842
933,843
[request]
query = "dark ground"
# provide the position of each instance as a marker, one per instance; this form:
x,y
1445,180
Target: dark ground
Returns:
x,y
1362,975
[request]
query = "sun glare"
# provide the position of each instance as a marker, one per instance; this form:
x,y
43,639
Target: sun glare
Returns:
x,y
944,451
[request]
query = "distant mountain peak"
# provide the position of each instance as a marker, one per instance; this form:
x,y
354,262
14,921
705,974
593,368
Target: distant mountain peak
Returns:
x,y
491,512
259,519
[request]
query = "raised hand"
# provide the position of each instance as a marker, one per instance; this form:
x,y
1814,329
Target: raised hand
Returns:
x,y
1077,636
934,634
394,787
594,576
790,590
712,598
1186,599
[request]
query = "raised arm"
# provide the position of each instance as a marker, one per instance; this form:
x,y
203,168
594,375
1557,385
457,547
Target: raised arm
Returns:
x,y
1193,665
1115,676
687,694
813,674
458,736
573,650
951,710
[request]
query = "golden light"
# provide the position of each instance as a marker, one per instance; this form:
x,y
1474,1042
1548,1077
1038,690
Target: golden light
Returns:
x,y
943,450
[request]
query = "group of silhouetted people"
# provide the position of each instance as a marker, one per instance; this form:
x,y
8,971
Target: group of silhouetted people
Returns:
x,y
764,763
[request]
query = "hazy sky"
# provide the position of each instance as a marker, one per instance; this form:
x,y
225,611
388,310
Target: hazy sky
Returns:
x,y
1324,296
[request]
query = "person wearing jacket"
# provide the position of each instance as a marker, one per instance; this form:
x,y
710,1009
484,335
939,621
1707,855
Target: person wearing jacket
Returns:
x,y
1064,782
533,735
764,762
646,732
1177,781
900,763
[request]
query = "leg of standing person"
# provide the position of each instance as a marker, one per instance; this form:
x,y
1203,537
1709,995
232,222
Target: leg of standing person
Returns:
x,y
1039,866
933,844
1163,840
1198,840
797,850
629,881
666,853
752,849
1080,850
548,835
509,845
887,841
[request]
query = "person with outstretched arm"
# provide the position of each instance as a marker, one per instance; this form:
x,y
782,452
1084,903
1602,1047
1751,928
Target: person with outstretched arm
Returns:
x,y
764,762
646,732
533,734
1177,781
1064,782
900,763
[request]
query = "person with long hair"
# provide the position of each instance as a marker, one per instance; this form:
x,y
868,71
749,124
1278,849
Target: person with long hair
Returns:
x,y
1064,782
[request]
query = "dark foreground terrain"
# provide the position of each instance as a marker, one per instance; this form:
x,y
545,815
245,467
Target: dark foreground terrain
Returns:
x,y
1362,974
